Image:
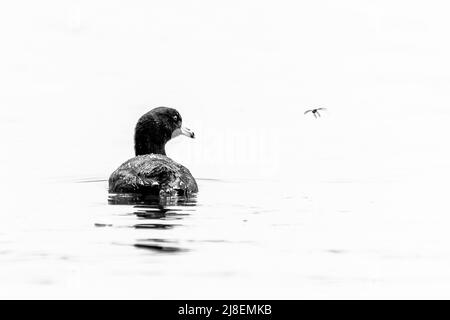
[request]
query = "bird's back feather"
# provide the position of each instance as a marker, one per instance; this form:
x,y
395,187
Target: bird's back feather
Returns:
x,y
152,173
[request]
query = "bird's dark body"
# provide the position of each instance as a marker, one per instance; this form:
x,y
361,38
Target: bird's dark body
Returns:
x,y
151,171
152,174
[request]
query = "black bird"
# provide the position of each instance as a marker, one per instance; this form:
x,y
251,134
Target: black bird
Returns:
x,y
151,171
315,112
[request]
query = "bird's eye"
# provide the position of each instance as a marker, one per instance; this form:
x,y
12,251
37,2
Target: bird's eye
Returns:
x,y
175,118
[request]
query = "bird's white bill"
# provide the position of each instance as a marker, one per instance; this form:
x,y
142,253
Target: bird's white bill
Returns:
x,y
183,131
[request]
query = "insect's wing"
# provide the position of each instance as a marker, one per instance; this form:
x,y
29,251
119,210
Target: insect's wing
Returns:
x,y
307,111
321,108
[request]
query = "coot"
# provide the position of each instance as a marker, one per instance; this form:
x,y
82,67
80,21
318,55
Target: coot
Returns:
x,y
151,171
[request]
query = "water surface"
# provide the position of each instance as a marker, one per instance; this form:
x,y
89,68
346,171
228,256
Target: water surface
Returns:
x,y
235,239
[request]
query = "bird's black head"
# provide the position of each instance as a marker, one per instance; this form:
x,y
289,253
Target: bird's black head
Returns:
x,y
155,128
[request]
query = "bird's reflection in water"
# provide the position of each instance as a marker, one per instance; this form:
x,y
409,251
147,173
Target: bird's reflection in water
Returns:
x,y
158,213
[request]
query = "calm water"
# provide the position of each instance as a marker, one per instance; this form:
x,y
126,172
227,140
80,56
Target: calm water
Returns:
x,y
236,239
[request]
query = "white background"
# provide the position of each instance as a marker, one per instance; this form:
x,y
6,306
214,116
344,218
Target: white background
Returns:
x,y
76,75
